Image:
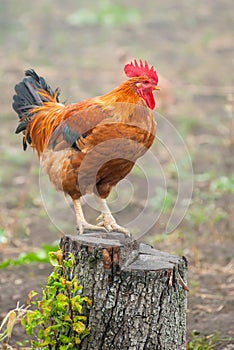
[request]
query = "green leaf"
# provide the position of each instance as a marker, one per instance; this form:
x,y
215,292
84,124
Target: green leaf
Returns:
x,y
56,258
41,333
33,315
85,333
77,303
77,340
79,327
29,329
76,287
31,294
67,318
64,339
66,347
72,259
62,298
58,284
80,318
88,301
68,264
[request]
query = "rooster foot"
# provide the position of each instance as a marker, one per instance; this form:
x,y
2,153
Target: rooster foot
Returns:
x,y
107,221
84,225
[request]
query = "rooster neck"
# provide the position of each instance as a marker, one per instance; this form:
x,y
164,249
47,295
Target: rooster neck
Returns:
x,y
125,105
126,92
122,101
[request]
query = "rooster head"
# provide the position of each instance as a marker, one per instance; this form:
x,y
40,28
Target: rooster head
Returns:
x,y
146,81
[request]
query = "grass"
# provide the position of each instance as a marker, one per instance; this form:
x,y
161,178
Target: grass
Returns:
x,y
206,342
137,171
205,208
41,255
206,38
106,14
223,184
163,200
205,213
3,235
187,124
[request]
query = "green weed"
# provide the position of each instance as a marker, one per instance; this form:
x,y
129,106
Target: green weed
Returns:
x,y
13,156
206,342
223,184
41,255
206,38
107,14
3,235
163,200
137,171
199,214
157,239
57,322
203,177
187,124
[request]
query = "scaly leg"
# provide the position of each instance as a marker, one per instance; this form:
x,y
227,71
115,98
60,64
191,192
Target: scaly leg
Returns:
x,y
107,220
80,219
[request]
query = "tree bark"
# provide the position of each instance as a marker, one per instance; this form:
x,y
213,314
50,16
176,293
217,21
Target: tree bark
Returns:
x,y
138,293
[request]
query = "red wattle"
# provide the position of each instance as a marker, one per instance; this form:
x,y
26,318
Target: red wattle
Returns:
x,y
148,96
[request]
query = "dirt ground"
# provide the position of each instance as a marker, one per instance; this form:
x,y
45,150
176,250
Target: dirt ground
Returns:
x,y
83,49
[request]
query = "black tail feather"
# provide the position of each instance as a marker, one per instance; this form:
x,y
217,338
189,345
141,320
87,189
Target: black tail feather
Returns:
x,y
27,97
38,82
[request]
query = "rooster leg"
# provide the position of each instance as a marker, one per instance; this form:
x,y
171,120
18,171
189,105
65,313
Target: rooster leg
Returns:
x,y
107,220
80,219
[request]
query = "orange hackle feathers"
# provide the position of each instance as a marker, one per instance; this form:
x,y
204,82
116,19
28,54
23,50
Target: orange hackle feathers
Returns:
x,y
45,120
43,124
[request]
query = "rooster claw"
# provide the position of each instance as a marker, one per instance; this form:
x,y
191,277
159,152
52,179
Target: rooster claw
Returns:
x,y
108,222
83,226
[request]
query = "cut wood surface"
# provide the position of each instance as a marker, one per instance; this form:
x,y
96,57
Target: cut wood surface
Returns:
x,y
138,293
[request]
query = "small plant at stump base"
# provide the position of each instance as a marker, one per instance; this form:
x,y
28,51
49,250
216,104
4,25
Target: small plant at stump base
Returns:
x,y
57,321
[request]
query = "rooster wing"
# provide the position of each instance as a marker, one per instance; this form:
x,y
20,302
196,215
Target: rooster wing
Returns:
x,y
92,150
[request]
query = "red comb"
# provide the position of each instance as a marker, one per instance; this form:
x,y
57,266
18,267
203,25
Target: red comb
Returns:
x,y
134,69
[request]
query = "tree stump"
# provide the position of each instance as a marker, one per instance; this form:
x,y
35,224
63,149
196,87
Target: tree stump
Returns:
x,y
138,293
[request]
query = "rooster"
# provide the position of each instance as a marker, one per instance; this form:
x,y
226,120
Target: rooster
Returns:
x,y
88,147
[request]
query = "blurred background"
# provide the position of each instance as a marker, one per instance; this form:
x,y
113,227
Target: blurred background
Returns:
x,y
82,48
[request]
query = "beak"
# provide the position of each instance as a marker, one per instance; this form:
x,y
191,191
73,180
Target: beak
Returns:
x,y
156,87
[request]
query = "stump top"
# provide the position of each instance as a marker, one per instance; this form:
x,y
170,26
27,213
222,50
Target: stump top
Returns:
x,y
132,254
104,239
